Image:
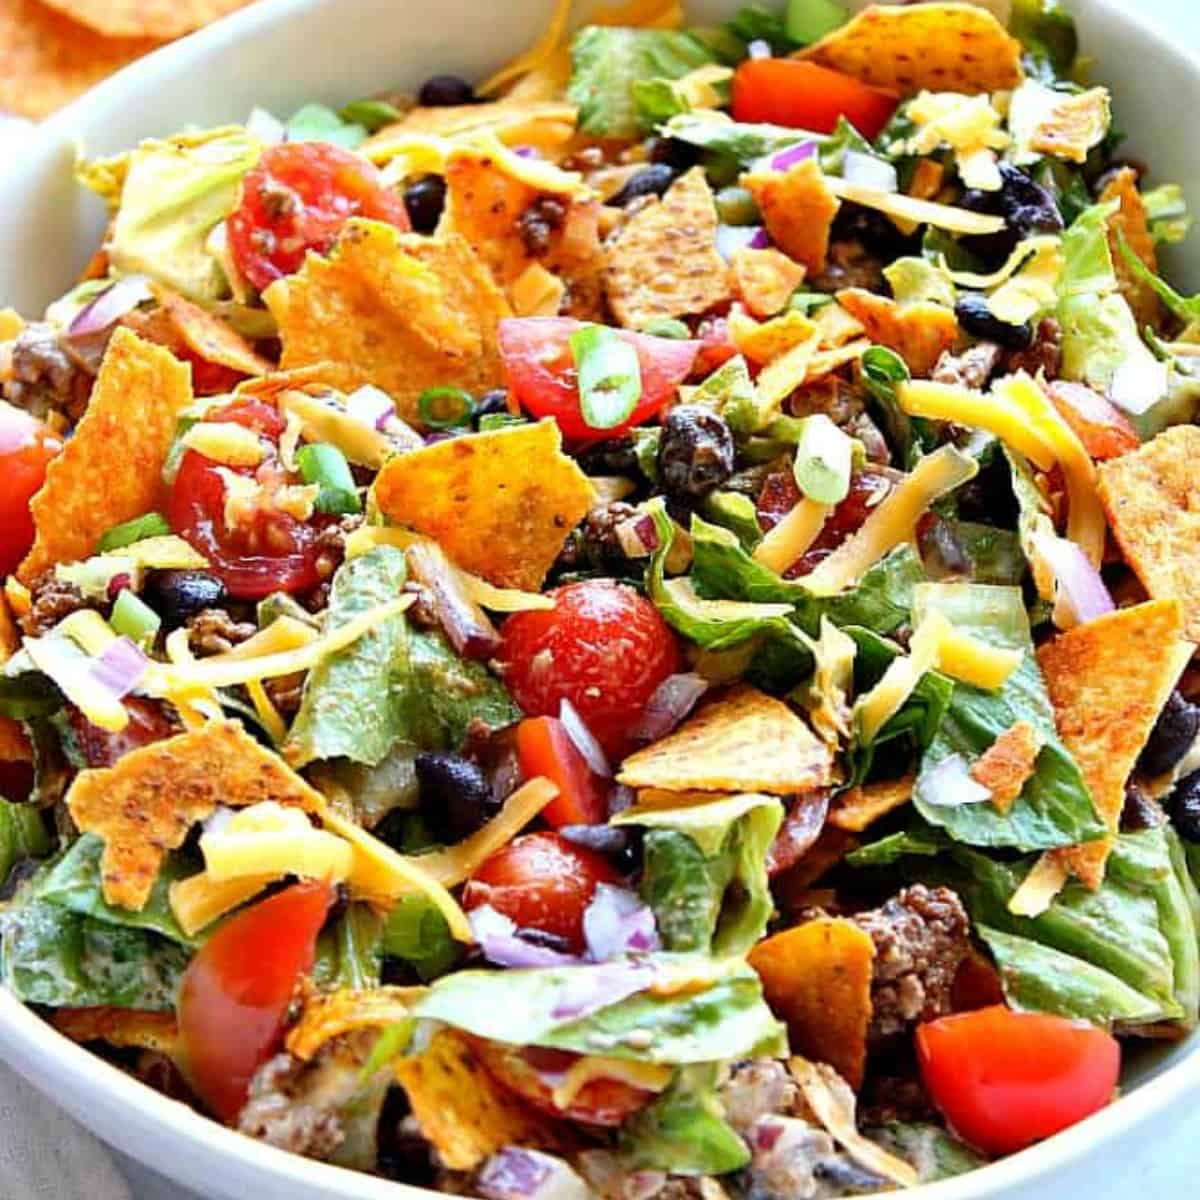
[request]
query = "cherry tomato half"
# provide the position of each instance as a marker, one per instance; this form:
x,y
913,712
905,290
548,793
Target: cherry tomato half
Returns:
x,y
235,993
1005,1079
148,723
545,748
603,647
541,372
803,95
541,881
297,199
1104,430
26,447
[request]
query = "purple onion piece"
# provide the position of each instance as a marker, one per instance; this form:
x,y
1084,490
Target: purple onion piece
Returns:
x,y
760,241
616,923
637,537
1078,586
673,699
498,939
732,238
949,784
120,668
106,309
784,160
869,171
370,406
515,1173
468,627
759,48
583,740
527,151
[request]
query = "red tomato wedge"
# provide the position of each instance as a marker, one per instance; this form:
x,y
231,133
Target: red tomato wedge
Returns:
x,y
541,372
236,992
802,95
26,448
1104,430
545,748
1005,1079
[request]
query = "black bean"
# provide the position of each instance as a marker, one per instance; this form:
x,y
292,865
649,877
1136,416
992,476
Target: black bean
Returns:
x,y
649,181
1185,807
616,456
1139,811
1172,736
445,91
1026,206
980,322
695,454
178,595
620,844
424,200
489,404
673,152
456,797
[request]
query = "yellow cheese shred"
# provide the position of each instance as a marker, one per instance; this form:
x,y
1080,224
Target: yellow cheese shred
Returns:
x,y
649,1077
793,535
909,208
1040,887
199,900
225,442
309,853
873,711
971,661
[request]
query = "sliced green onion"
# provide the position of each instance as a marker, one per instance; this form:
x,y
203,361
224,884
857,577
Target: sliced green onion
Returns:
x,y
668,327
610,376
150,525
133,618
490,421
445,407
824,459
737,206
808,21
806,302
372,115
326,466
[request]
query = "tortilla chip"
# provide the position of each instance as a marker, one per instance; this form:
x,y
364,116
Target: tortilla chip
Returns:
x,y
463,1112
408,312
743,741
327,1016
920,332
208,337
501,504
1108,681
770,340
942,47
863,805
1073,126
1130,222
10,637
798,208
537,292
664,261
111,469
134,1028
321,376
47,60
546,125
1152,500
764,280
14,742
816,978
147,803
1007,763
146,18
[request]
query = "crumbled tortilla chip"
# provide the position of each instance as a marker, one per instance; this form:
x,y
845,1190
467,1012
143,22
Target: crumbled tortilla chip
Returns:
x,y
764,280
858,807
129,1027
919,332
1130,222
320,376
1073,126
463,1112
766,341
1007,763
330,1015
798,208
1108,681
146,804
942,47
501,503
207,336
817,979
743,741
537,292
14,742
111,469
836,326
664,262
825,362
1152,497
408,312
10,637
146,18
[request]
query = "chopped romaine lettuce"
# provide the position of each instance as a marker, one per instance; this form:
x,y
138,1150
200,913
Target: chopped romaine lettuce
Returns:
x,y
916,279
23,835
316,123
1047,32
1167,213
731,392
417,933
349,953
935,1153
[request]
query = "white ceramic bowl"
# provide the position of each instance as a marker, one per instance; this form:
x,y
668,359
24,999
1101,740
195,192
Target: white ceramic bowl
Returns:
x,y
279,54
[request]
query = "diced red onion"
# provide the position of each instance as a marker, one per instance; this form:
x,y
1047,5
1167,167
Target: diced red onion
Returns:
x,y
589,989
784,160
515,1173
637,537
731,238
949,785
120,668
1138,383
1080,593
759,48
118,583
498,939
616,923
766,1133
106,309
527,151
584,740
265,126
760,241
869,171
370,406
673,699
468,627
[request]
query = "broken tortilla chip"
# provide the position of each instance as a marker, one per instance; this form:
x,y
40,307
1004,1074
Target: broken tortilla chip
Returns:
x,y
1073,126
321,376
798,208
1152,500
743,741
14,742
134,1028
764,280
766,341
664,263
1130,222
942,47
10,637
816,978
146,804
409,312
208,337
858,807
501,503
919,332
1007,763
146,18
330,1015
111,469
463,1112
1108,681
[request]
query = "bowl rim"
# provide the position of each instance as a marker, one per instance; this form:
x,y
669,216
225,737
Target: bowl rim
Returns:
x,y
33,1045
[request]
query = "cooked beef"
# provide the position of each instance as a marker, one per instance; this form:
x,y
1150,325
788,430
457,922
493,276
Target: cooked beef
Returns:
x,y
756,1089
45,378
850,264
972,368
1045,354
51,600
279,1111
214,631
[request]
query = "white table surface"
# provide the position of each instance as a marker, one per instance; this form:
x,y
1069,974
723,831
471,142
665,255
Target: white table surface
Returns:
x,y
64,1163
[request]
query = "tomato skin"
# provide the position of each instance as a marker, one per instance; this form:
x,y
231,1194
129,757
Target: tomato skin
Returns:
x,y
545,748
716,346
26,448
541,881
297,199
1004,1079
235,993
541,372
1105,431
803,95
603,647
148,723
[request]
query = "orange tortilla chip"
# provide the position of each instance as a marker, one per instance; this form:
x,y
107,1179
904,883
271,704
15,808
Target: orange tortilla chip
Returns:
x,y
1108,681
766,341
463,1112
798,208
664,261
1130,222
501,503
764,280
147,803
1073,126
409,312
146,18
208,337
1007,763
10,637
322,376
14,742
743,741
345,1011
860,806
1151,498
816,978
129,1027
546,125
111,469
920,333
942,47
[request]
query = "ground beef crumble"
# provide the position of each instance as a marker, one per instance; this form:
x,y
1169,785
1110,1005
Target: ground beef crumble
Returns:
x,y
277,1113
971,369
214,631
45,379
51,600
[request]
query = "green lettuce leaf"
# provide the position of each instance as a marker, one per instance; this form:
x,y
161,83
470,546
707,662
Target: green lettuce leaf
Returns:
x,y
915,279
417,933
735,141
1167,213
317,123
935,1153
1047,32
23,835
349,952
731,393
